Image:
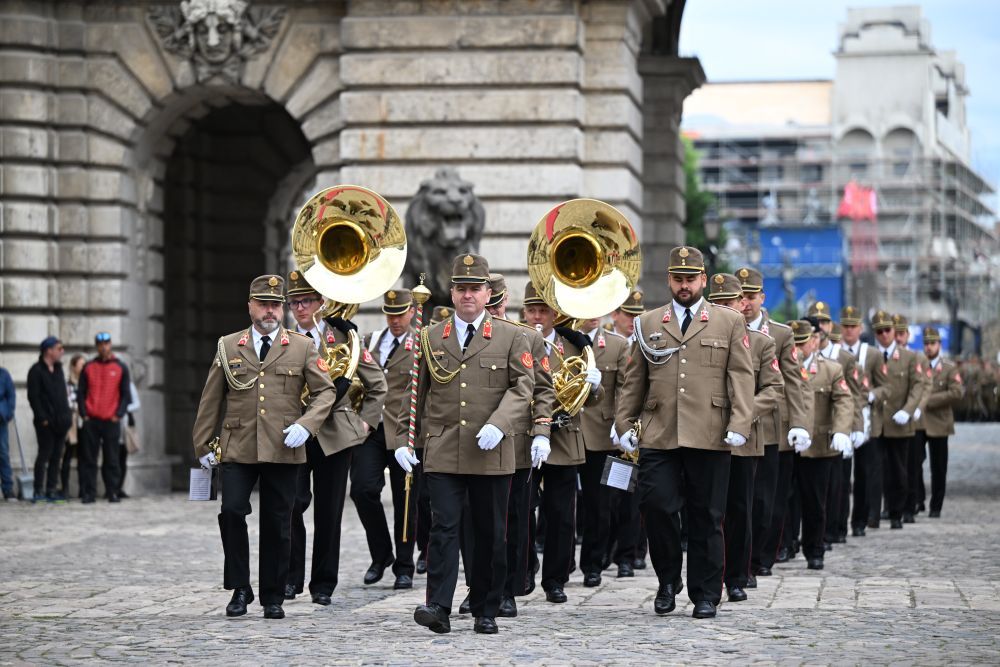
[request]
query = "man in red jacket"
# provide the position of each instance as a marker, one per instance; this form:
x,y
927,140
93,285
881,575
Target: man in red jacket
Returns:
x,y
103,397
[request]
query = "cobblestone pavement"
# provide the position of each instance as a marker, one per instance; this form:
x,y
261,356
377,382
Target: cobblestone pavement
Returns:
x,y
141,581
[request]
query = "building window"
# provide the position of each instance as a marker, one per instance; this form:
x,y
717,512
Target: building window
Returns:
x,y
812,173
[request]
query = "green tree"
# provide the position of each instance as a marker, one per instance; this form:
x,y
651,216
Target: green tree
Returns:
x,y
697,204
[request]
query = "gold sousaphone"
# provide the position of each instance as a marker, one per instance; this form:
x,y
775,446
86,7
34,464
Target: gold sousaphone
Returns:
x,y
349,244
584,259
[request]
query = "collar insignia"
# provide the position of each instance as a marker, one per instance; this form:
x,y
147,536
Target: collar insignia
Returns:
x,y
488,329
447,330
704,314
284,337
244,338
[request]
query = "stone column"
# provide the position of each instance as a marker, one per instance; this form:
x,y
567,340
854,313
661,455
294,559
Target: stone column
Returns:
x,y
667,80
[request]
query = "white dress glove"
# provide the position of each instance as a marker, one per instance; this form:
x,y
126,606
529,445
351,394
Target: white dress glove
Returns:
x,y
735,439
594,377
841,442
208,460
799,437
295,436
849,452
406,458
857,439
627,442
614,437
901,417
871,397
866,413
540,450
489,437
916,414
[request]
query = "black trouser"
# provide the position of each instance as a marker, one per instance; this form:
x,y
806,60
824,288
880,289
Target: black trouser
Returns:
x,y
897,452
765,487
518,544
488,505
50,444
277,493
867,484
834,489
738,521
626,526
69,451
559,506
771,543
329,490
122,465
914,472
814,485
939,471
793,515
104,437
703,491
367,479
597,501
842,508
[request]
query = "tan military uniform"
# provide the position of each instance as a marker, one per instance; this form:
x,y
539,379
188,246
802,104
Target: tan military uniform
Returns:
x,y
923,369
946,391
795,411
833,405
396,374
611,357
253,420
768,394
568,448
543,402
854,379
897,386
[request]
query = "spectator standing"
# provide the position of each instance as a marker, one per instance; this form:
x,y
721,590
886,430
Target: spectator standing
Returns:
x,y
52,416
8,400
103,397
72,447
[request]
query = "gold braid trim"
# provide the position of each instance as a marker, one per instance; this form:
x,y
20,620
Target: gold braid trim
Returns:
x,y
234,384
440,375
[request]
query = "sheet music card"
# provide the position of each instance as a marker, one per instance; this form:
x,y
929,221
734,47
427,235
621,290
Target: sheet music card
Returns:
x,y
620,474
202,484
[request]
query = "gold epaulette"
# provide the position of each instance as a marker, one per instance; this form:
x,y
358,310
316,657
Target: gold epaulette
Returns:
x,y
296,333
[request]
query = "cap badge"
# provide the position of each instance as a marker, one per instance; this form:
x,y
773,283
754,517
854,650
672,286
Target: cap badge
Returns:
x,y
468,261
744,273
272,281
294,275
391,294
719,279
683,252
820,305
636,295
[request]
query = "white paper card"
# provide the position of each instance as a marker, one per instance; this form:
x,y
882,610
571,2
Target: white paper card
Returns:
x,y
620,475
201,484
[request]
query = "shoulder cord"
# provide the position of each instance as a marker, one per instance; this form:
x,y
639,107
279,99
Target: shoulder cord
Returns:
x,y
440,376
231,380
653,356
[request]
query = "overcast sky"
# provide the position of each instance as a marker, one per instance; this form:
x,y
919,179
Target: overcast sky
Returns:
x,y
795,39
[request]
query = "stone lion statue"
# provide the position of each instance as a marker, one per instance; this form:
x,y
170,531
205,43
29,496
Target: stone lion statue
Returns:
x,y
444,219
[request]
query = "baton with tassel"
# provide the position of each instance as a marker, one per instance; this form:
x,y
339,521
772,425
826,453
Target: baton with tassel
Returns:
x,y
420,296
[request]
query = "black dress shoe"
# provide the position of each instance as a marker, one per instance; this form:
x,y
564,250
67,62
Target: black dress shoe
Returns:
x,y
466,606
762,571
703,609
376,571
273,610
508,608
556,595
751,581
827,546
664,602
592,579
290,591
87,500
625,570
896,524
736,594
858,531
321,598
639,564
422,565
908,518
485,625
782,556
403,582
934,514
113,498
238,604
873,524
814,563
432,616
921,508
841,538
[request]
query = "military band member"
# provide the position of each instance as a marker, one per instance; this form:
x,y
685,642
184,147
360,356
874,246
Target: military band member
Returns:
x,y
559,470
939,420
774,471
725,290
475,383
254,391
392,349
328,455
833,408
897,389
691,384
915,457
863,353
597,422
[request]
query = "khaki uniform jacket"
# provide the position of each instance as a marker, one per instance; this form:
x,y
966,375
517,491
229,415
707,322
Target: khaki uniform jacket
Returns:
x,y
833,406
493,384
397,373
925,377
703,390
567,443
543,401
345,427
612,359
853,376
768,393
796,409
897,386
252,421
946,392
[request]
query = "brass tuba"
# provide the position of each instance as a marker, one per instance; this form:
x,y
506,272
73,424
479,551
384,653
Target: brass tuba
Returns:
x,y
349,244
584,259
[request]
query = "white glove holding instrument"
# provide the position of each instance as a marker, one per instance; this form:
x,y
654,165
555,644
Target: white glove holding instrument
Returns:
x,y
594,377
540,450
857,439
614,437
901,417
735,439
849,452
916,414
841,442
406,458
799,437
295,436
208,460
627,442
489,437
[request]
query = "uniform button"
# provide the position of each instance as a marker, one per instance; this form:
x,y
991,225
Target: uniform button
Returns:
x,y
463,404
462,422
684,361
262,373
684,347
463,385
493,367
263,411
262,399
261,385
463,366
682,390
683,376
385,371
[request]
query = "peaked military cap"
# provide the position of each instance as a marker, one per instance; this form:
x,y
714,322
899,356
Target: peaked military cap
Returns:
x,y
881,320
531,296
440,314
821,311
470,269
932,335
499,288
633,304
724,286
850,316
396,301
836,333
802,330
751,280
297,284
685,259
268,288
900,323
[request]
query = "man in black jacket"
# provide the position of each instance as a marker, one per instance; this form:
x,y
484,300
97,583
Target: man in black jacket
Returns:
x,y
52,416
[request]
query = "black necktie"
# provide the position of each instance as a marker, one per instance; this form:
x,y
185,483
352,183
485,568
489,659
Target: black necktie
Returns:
x,y
687,321
392,351
309,333
885,355
265,345
470,332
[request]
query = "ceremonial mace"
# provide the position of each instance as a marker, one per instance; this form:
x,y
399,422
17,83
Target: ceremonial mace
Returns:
x,y
420,295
